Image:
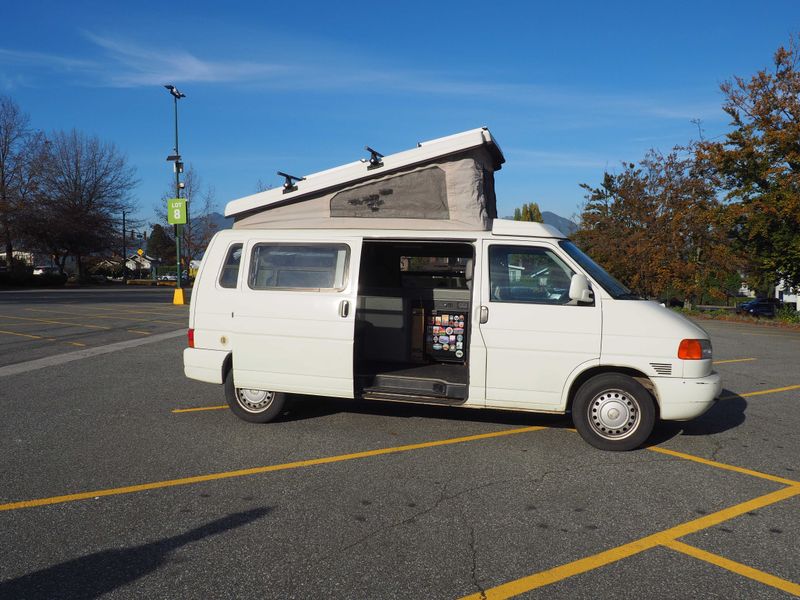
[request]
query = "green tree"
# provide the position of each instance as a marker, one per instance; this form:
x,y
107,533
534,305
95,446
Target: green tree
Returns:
x,y
529,212
758,165
200,227
659,228
20,166
160,245
85,186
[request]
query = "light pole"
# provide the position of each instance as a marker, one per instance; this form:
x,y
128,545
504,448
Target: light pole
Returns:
x,y
124,251
176,158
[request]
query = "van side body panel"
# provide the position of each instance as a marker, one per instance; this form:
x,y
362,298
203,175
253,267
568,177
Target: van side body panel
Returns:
x,y
526,359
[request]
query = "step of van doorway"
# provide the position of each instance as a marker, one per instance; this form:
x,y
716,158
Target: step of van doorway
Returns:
x,y
416,386
385,396
433,381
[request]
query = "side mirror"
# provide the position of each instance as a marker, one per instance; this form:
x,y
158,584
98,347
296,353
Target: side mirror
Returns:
x,y
579,289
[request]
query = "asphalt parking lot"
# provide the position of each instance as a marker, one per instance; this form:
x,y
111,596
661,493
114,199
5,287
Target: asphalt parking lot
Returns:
x,y
121,478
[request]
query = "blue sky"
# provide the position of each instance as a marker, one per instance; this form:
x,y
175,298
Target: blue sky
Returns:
x,y
568,89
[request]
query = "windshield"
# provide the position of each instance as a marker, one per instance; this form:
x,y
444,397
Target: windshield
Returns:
x,y
596,272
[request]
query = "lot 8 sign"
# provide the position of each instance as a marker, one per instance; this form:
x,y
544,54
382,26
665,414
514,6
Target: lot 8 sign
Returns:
x,y
176,211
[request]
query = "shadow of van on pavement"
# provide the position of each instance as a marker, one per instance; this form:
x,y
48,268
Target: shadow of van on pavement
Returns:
x,y
300,408
728,413
96,574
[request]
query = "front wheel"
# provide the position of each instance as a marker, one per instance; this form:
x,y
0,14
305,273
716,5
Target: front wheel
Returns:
x,y
255,406
614,412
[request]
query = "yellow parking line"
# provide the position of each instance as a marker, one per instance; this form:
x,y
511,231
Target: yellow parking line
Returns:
x,y
54,322
27,335
117,318
772,391
257,470
733,360
138,312
185,410
735,567
38,337
719,465
589,563
142,332
789,336
788,388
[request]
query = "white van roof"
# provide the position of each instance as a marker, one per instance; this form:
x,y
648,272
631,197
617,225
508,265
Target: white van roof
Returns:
x,y
525,229
500,228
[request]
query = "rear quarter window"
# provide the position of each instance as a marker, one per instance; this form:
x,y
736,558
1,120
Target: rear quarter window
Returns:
x,y
229,277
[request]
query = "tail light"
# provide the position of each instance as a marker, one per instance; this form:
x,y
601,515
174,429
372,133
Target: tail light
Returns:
x,y
694,349
190,335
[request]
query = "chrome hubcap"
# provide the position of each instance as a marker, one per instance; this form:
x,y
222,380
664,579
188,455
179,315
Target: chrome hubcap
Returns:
x,y
614,414
254,401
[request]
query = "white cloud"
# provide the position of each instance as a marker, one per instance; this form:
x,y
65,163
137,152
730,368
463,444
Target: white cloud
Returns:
x,y
42,59
135,65
124,63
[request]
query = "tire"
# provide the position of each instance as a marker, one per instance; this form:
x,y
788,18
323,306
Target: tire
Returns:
x,y
614,412
254,406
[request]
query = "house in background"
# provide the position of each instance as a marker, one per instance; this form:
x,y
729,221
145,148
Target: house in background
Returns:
x,y
787,295
746,291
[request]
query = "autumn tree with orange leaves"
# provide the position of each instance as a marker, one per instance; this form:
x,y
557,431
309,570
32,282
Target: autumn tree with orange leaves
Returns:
x,y
659,228
758,167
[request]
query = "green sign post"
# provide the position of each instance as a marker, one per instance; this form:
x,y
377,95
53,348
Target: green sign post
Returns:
x,y
176,215
176,211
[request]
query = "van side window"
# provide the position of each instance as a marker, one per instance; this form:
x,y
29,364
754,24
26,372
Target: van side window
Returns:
x,y
230,269
527,274
299,267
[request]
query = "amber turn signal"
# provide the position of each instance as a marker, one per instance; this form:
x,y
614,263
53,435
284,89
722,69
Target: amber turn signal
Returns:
x,y
694,349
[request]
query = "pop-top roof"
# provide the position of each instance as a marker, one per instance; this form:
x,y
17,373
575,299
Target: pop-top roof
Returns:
x,y
359,171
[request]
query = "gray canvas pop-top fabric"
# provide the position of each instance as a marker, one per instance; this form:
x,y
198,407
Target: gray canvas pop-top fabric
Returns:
x,y
421,194
450,193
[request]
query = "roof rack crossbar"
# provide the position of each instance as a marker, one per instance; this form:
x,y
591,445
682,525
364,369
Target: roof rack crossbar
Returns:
x,y
375,161
289,184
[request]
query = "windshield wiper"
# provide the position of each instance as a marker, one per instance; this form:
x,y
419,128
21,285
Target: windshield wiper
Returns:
x,y
628,296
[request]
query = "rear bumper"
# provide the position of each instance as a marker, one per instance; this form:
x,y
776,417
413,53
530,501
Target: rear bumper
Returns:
x,y
204,365
683,399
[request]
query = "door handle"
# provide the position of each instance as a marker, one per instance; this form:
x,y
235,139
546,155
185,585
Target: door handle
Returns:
x,y
344,308
484,314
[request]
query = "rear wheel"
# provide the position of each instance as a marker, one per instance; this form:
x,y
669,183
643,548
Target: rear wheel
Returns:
x,y
255,406
614,412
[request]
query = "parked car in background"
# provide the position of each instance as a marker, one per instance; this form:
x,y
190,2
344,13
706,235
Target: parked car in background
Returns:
x,y
759,307
43,270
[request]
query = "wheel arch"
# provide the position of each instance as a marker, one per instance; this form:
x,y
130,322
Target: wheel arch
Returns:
x,y
587,374
227,365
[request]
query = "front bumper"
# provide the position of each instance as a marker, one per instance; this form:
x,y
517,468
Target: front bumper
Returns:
x,y
683,399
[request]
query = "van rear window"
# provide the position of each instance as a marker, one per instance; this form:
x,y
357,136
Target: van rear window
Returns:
x,y
300,267
230,269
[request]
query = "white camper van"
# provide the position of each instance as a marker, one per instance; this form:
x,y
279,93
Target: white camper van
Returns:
x,y
392,279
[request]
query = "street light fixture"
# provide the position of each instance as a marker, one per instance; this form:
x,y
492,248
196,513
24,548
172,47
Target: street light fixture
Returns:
x,y
176,158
